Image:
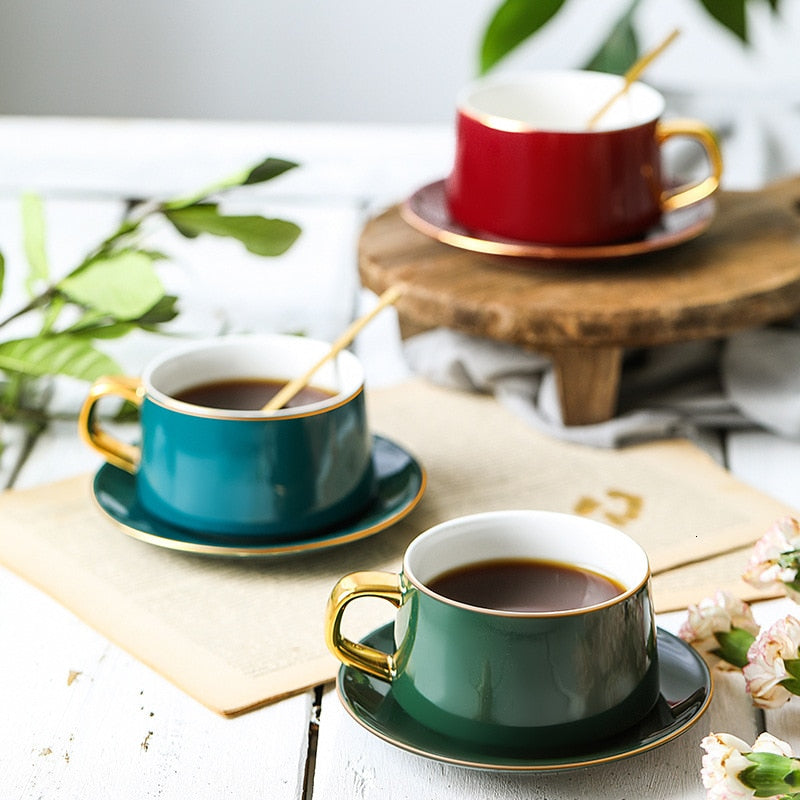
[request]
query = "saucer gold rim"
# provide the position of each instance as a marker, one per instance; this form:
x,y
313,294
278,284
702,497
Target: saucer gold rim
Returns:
x,y
515,762
443,228
176,539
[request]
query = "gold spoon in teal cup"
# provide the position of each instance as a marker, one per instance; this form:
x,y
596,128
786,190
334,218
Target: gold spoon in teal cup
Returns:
x,y
389,297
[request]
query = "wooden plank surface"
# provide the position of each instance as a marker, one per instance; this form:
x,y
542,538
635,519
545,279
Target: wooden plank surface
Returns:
x,y
85,720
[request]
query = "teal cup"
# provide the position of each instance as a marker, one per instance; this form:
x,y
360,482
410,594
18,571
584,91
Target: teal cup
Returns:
x,y
227,471
528,680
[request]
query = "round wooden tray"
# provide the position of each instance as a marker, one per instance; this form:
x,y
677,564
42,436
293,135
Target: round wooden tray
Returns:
x,y
743,272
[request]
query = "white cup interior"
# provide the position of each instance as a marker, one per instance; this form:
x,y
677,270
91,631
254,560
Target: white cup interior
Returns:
x,y
275,357
527,534
558,101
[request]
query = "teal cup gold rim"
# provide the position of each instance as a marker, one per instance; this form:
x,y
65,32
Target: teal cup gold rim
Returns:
x,y
250,357
267,474
531,680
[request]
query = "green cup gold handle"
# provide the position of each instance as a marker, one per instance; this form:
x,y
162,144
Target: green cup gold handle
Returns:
x,y
385,585
686,195
120,454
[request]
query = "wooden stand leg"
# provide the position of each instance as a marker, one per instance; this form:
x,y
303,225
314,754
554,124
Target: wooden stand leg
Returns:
x,y
588,383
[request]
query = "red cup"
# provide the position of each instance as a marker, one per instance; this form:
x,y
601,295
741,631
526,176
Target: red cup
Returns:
x,y
528,166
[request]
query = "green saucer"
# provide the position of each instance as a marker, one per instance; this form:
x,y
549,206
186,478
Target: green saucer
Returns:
x,y
400,486
685,694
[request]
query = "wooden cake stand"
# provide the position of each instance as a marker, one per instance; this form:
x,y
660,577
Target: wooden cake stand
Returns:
x,y
743,271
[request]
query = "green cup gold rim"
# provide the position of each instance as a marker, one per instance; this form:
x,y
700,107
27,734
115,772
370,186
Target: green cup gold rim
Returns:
x,y
632,587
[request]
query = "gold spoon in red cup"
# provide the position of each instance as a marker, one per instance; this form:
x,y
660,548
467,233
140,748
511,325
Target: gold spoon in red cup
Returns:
x,y
632,75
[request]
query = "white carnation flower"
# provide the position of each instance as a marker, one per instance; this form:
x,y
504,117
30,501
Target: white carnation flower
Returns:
x,y
722,763
713,615
765,669
725,759
768,564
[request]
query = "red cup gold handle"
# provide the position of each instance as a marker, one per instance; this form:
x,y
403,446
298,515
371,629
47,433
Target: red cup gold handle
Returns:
x,y
116,452
385,585
686,195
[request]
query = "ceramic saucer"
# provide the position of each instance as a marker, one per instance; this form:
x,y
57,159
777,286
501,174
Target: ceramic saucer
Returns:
x,y
401,484
427,211
685,694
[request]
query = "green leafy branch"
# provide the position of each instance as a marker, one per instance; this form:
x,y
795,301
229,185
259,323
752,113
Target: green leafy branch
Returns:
x,y
115,289
516,21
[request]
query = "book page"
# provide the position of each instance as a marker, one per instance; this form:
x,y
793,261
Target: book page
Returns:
x,y
670,496
236,633
683,586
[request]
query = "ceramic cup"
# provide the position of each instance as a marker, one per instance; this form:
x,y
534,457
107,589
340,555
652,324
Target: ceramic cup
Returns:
x,y
277,474
528,167
520,679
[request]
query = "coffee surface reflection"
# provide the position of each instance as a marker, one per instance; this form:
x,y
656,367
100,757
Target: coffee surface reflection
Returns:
x,y
525,585
247,394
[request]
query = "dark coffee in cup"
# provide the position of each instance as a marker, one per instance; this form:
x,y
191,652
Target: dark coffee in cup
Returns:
x,y
247,394
525,584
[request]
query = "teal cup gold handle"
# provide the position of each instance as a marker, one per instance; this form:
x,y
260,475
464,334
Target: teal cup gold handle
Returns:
x,y
385,585
242,471
121,454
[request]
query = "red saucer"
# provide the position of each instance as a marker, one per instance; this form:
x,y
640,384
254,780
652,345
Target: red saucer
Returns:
x,y
427,211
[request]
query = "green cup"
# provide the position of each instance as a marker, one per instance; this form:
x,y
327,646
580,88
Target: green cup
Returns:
x,y
535,680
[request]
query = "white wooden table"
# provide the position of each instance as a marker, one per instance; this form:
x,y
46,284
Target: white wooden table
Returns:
x,y
81,719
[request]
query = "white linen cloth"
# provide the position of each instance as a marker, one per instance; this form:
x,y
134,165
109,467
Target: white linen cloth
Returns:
x,y
686,389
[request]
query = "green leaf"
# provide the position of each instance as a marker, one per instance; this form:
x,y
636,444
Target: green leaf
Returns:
x,y
770,774
268,169
108,331
97,325
123,285
51,312
55,355
128,412
734,645
264,237
791,685
731,14
2,273
620,49
793,668
789,558
33,232
164,310
512,23
100,325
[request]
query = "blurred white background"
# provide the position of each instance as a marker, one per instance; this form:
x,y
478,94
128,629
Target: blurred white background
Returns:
x,y
342,60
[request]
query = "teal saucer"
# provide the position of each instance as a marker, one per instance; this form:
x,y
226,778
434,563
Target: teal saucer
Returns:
x,y
685,694
400,485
